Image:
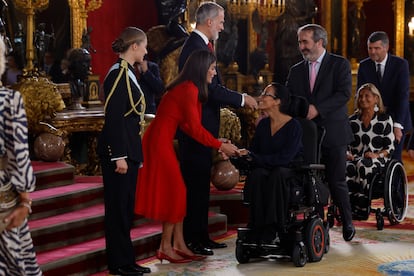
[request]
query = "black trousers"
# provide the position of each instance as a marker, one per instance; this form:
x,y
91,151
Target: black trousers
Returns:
x,y
334,159
119,196
197,181
397,154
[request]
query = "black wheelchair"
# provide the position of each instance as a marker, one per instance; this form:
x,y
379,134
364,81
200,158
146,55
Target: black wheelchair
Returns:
x,y
305,236
388,184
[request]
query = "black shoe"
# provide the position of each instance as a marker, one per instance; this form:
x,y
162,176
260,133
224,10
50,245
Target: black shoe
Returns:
x,y
348,232
125,271
214,245
142,269
199,249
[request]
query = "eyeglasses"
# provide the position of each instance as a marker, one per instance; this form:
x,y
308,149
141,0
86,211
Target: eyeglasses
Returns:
x,y
269,95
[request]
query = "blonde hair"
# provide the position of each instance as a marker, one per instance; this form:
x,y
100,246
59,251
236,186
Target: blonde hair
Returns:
x,y
374,90
129,36
2,56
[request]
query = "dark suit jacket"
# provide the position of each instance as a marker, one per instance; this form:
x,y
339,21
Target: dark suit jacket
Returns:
x,y
218,96
330,95
152,86
394,87
120,135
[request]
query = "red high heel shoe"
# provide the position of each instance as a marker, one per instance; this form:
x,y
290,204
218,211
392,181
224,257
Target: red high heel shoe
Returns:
x,y
191,257
162,256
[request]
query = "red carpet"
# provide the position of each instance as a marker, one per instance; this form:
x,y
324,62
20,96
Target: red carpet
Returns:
x,y
44,166
60,253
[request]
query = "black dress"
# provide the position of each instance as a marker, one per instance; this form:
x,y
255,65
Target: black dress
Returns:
x,y
268,182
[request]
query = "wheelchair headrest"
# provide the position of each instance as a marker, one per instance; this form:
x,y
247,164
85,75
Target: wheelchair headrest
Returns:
x,y
298,106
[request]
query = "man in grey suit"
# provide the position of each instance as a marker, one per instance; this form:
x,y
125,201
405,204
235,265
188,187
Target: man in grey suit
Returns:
x,y
390,74
324,79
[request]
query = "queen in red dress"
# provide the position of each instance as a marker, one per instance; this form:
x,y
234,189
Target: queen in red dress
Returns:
x,y
161,192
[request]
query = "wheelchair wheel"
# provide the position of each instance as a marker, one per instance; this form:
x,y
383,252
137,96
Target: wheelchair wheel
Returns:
x,y
396,192
242,253
315,239
299,255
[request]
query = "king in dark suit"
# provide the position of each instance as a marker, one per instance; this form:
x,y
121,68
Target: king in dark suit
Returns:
x,y
393,82
328,94
196,159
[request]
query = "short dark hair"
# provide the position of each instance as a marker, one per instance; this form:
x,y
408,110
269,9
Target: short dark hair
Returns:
x,y
282,93
377,36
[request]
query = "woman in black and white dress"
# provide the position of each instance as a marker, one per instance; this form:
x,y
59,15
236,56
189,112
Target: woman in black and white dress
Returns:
x,y
17,180
372,146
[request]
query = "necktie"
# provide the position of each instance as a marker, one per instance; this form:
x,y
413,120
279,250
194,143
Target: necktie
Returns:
x,y
210,46
379,75
312,76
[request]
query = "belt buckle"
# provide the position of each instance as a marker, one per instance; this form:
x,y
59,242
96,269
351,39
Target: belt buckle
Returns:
x,y
7,199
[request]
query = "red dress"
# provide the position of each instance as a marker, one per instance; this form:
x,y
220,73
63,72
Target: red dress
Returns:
x,y
161,192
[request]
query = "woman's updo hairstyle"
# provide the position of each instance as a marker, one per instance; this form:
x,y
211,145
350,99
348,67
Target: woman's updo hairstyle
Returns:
x,y
129,36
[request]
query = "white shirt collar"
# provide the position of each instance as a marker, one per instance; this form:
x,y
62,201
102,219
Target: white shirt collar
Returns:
x,y
203,36
319,60
384,61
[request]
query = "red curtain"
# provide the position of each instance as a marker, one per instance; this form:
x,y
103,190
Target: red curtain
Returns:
x,y
109,20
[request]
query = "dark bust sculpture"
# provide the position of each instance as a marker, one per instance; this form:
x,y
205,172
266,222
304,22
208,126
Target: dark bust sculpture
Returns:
x,y
79,70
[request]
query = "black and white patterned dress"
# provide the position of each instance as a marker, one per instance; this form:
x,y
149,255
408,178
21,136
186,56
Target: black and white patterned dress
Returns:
x,y
17,255
377,136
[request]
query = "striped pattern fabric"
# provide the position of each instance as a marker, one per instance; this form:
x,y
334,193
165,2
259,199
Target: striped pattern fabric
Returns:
x,y
17,255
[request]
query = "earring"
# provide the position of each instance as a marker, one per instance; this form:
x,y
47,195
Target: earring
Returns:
x,y
376,108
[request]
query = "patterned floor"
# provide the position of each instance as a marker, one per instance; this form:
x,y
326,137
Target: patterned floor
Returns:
x,y
372,252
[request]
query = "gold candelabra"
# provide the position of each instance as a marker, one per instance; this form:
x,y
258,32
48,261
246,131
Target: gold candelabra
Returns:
x,y
29,7
268,9
80,10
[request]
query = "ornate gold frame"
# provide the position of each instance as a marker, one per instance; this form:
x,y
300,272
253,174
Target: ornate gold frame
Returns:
x,y
78,13
399,13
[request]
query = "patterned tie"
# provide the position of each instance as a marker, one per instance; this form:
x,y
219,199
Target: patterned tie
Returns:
x,y
379,75
312,76
210,46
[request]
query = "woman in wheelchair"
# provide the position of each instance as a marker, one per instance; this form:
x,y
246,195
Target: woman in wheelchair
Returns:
x,y
371,149
276,143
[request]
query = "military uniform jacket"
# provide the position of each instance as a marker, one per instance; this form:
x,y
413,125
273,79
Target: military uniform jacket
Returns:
x,y
120,135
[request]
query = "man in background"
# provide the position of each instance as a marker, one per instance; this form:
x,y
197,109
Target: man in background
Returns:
x,y
390,74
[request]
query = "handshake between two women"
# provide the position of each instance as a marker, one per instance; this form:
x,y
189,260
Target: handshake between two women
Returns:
x,y
227,149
